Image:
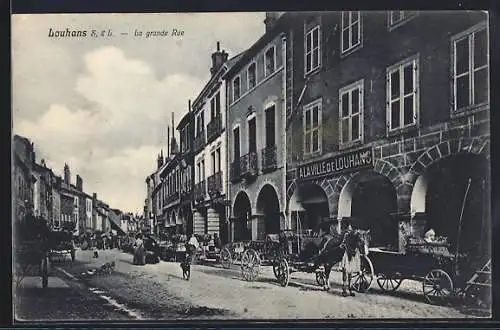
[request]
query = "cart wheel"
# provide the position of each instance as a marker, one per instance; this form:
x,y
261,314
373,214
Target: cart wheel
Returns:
x,y
225,258
283,272
388,284
250,265
363,280
320,278
45,272
437,286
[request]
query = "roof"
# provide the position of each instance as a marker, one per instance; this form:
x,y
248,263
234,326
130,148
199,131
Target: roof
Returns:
x,y
258,45
184,120
215,77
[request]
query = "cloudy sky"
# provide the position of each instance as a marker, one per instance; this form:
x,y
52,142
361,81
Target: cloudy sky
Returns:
x,y
102,104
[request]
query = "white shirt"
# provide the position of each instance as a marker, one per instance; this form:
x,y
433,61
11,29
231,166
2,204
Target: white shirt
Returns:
x,y
193,241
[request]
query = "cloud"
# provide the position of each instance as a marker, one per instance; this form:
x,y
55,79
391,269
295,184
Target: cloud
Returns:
x,y
114,142
103,105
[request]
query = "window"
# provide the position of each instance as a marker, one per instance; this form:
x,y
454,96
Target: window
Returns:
x,y
215,106
251,78
252,135
202,170
351,113
312,50
214,170
270,127
269,61
200,123
218,160
399,17
236,143
311,120
470,69
236,88
351,30
402,94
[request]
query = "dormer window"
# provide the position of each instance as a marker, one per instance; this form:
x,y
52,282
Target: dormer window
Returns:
x,y
251,76
236,88
270,61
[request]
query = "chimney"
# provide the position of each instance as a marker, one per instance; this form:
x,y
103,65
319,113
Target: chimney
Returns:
x,y
67,174
271,18
218,59
159,161
94,198
168,141
79,183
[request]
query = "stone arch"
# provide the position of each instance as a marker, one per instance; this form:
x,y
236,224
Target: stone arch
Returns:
x,y
476,145
278,193
247,194
268,210
324,183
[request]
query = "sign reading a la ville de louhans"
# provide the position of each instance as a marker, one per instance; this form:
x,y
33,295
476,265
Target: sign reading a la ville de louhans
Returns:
x,y
347,162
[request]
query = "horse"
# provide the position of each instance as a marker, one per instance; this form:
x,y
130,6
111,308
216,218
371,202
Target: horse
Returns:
x,y
351,245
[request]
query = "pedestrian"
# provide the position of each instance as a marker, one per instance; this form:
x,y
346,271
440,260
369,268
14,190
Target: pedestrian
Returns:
x,y
217,242
139,254
354,246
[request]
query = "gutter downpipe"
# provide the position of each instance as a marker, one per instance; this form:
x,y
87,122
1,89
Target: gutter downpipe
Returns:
x,y
284,132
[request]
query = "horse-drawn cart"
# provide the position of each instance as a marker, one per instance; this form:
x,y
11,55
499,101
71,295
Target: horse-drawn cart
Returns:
x,y
31,251
428,262
292,251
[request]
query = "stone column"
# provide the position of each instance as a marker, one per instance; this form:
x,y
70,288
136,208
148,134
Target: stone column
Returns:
x,y
261,226
198,223
212,221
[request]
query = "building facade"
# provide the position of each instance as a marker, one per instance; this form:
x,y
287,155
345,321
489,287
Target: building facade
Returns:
x,y
388,117
186,160
209,147
256,136
22,177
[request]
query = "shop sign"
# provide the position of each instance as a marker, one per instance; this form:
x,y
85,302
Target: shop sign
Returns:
x,y
348,162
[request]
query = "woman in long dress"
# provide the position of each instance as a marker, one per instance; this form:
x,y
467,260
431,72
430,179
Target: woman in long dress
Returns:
x,y
351,261
139,255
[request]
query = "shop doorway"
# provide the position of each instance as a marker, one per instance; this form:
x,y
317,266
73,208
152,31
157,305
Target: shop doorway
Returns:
x,y
447,181
308,206
242,212
369,199
268,209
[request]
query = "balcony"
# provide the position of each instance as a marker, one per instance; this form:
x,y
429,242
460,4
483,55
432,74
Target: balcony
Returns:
x,y
248,165
234,171
172,197
199,191
215,184
199,142
214,128
269,159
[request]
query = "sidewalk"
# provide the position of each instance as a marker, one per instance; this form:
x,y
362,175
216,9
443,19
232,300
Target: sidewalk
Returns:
x,y
60,301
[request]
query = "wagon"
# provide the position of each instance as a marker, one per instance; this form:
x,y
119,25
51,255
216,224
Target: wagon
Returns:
x,y
232,252
286,253
430,263
31,257
61,245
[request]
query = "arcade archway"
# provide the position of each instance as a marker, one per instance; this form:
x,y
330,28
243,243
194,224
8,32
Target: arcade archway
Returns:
x,y
242,212
370,200
440,193
308,206
268,210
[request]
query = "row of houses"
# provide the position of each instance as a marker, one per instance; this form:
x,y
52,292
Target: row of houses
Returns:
x,y
37,190
379,117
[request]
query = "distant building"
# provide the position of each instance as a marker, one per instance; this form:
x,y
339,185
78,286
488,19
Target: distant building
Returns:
x,y
22,177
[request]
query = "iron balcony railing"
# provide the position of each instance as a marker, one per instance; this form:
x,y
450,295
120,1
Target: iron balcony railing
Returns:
x,y
199,141
269,159
172,197
234,171
214,128
215,184
200,191
248,165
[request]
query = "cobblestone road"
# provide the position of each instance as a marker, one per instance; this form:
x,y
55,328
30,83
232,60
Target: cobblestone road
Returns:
x,y
159,292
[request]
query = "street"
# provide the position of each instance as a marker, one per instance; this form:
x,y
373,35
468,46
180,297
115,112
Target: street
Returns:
x,y
158,292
